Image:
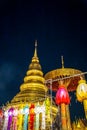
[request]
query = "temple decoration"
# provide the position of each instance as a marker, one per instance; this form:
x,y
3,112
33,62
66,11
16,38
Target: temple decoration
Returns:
x,y
1,117
5,124
81,94
67,74
31,119
62,98
20,117
15,119
43,125
37,111
26,112
48,108
69,81
1,113
10,114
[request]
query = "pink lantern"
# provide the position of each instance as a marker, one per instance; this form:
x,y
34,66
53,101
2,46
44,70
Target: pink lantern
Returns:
x,y
62,96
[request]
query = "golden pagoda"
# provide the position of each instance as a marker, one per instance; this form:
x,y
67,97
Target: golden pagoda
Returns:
x,y
32,108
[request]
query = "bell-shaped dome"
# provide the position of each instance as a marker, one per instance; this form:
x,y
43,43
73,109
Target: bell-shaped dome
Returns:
x,y
81,91
62,96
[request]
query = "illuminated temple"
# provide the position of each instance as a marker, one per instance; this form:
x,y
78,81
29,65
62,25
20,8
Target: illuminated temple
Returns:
x,y
35,107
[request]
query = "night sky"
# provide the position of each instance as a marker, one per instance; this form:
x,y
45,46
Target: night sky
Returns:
x,y
60,28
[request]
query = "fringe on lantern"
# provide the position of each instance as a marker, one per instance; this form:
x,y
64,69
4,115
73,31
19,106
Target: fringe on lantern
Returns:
x,y
37,122
31,119
20,118
37,112
10,114
5,123
25,121
43,118
15,119
14,123
26,112
47,104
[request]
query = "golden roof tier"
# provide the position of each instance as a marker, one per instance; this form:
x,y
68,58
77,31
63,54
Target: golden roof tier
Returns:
x,y
68,76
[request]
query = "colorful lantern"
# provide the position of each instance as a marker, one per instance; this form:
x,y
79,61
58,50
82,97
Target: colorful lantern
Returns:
x,y
31,118
81,94
37,112
62,96
47,104
26,112
62,99
20,118
5,120
15,119
1,113
43,117
81,91
10,114
1,117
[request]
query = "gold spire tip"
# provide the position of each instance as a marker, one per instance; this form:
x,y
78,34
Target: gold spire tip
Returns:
x,y
35,43
35,52
62,61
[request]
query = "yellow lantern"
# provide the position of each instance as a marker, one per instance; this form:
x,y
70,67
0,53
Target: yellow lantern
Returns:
x,y
81,94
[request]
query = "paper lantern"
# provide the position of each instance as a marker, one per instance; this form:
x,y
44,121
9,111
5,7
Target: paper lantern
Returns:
x,y
62,96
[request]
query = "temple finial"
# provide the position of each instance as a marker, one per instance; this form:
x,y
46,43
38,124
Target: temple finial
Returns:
x,y
35,52
62,61
35,43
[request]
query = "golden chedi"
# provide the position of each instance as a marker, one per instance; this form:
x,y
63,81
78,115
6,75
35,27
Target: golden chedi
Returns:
x,y
31,108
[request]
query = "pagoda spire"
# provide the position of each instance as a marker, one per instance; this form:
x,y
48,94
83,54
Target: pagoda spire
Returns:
x,y
62,61
35,57
35,52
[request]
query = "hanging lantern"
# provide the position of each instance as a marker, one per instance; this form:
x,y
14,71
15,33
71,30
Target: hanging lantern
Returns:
x,y
31,117
26,112
10,114
62,96
43,125
5,120
20,117
1,113
37,112
81,91
1,117
15,119
81,94
48,108
15,112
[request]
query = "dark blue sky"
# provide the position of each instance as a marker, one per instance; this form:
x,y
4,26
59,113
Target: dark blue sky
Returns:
x,y
60,28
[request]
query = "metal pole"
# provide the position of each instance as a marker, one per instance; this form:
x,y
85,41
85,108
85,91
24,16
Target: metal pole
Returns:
x,y
51,101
